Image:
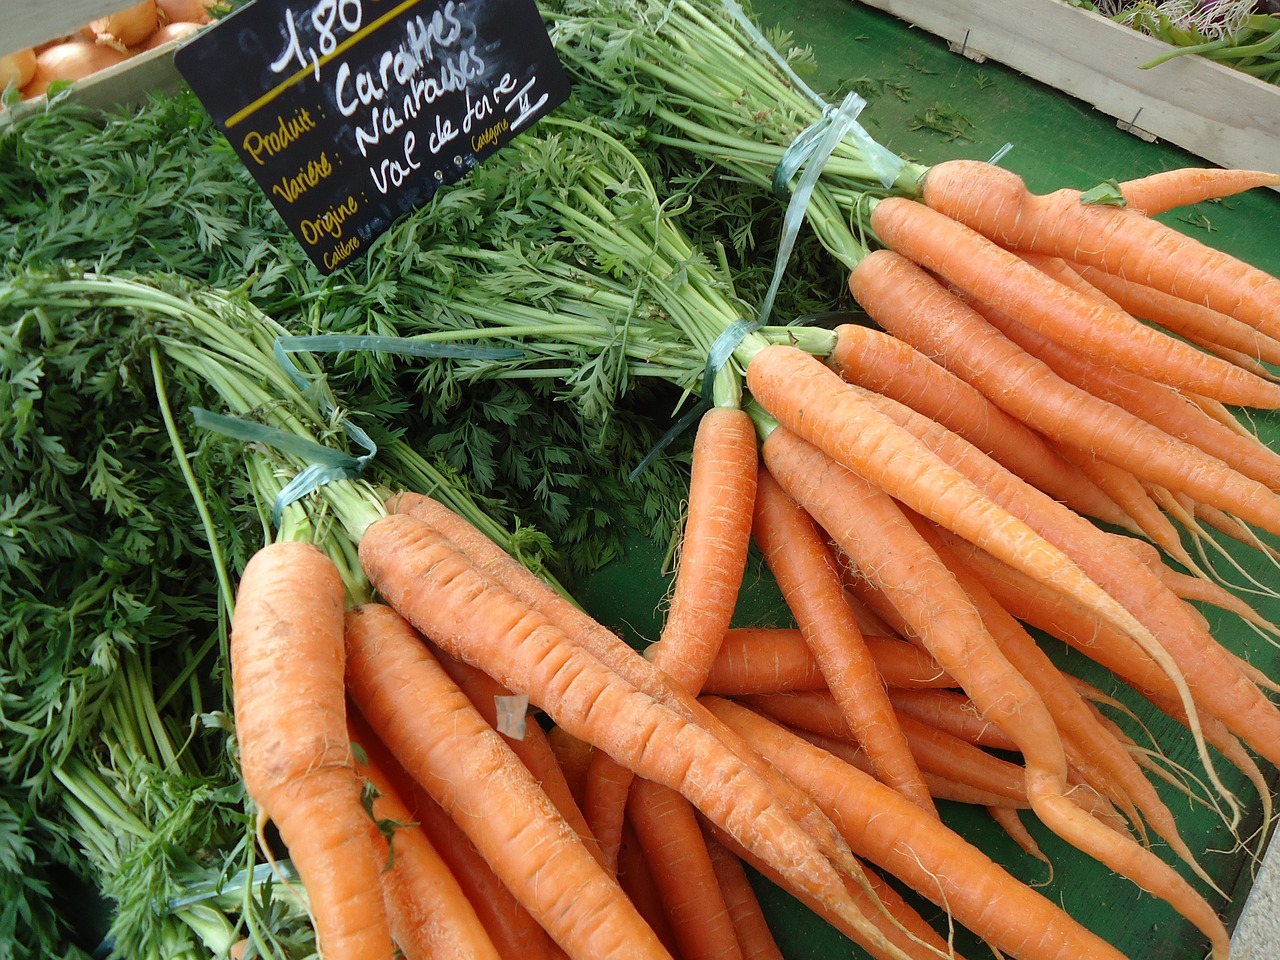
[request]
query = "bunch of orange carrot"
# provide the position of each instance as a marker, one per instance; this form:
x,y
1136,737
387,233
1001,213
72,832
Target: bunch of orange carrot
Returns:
x,y
948,461
923,494
369,737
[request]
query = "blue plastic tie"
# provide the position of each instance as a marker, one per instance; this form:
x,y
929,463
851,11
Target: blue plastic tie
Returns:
x,y
677,428
405,346
816,146
324,463
721,353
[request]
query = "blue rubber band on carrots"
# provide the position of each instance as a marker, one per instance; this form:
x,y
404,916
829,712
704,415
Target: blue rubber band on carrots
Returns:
x,y
324,463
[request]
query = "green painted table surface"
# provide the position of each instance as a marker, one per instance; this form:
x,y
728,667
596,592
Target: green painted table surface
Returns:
x,y
930,104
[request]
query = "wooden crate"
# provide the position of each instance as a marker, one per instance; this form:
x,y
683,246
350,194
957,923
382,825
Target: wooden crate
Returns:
x,y
1227,117
32,22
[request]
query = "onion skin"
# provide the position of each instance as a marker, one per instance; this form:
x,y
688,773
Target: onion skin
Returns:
x,y
17,68
128,27
73,60
81,34
185,11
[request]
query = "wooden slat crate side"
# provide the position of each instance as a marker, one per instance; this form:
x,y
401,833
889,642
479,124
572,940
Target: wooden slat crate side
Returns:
x,y
1220,114
129,83
32,22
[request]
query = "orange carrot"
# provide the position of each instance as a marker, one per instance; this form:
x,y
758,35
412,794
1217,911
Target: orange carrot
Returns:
x,y
905,665
573,756
1220,412
1215,733
532,748
939,753
998,278
510,926
864,521
1091,747
868,622
435,587
912,305
889,365
933,860
637,880
903,931
1202,590
1183,649
1125,242
674,847
713,556
1229,747
1209,330
830,419
1136,499
764,660
1008,820
940,707
959,726
1030,503
604,803
435,733
430,914
1205,327
290,716
1166,190
755,939
1059,617
1156,403
1195,516
849,426
810,583
1160,405
874,533
713,549
1010,791
905,925
776,659
620,657
952,712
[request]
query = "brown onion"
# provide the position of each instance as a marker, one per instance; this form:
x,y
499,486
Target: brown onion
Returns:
x,y
185,11
17,68
73,60
128,27
177,30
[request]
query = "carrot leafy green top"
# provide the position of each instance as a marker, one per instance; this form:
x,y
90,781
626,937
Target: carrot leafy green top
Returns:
x,y
701,79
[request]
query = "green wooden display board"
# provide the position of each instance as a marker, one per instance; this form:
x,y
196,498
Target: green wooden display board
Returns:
x,y
930,104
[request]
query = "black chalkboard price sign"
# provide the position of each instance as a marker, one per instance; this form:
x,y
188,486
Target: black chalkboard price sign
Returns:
x,y
351,113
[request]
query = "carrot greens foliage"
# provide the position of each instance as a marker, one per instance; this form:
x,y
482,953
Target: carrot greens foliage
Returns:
x,y
112,632
110,571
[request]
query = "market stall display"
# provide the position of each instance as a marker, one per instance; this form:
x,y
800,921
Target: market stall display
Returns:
x,y
589,306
